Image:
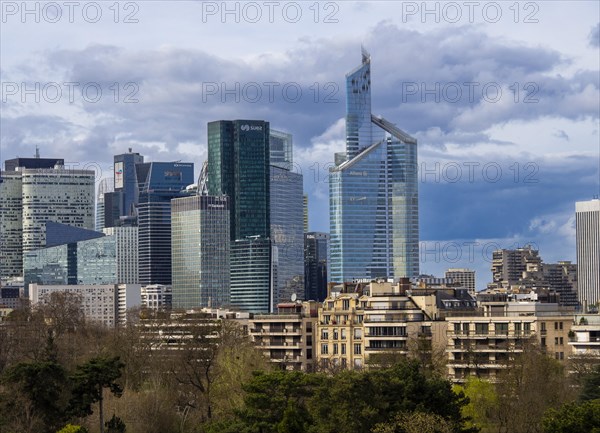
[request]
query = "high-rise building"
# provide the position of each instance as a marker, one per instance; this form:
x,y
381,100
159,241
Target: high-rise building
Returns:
x,y
562,278
126,180
280,145
126,243
508,266
315,265
373,190
11,225
305,212
200,251
106,186
158,183
464,277
287,235
251,274
587,221
32,192
238,167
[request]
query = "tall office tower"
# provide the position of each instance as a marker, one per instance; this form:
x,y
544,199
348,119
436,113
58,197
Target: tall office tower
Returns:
x,y
11,225
287,235
158,183
373,193
238,166
251,274
200,251
126,180
305,212
126,243
280,145
509,266
60,195
464,277
587,221
315,265
106,185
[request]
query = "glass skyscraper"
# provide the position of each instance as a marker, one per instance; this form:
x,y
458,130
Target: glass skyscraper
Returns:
x,y
238,167
587,227
373,192
158,183
287,234
315,265
280,145
200,251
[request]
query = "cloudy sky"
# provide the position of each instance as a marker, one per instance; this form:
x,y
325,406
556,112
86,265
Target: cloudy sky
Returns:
x,y
503,98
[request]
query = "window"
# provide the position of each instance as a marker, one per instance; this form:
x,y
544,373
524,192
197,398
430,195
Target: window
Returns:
x,y
335,349
527,327
556,341
561,341
343,348
543,326
357,349
343,333
359,318
481,328
457,328
324,334
324,349
357,333
560,326
501,328
543,341
466,328
346,304
335,334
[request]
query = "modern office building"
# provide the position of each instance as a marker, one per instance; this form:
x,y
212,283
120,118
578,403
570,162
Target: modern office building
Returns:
x,y
200,251
373,190
11,225
305,209
315,265
106,186
33,163
33,192
83,257
464,277
126,243
125,180
287,235
238,167
251,274
60,195
158,183
280,145
587,221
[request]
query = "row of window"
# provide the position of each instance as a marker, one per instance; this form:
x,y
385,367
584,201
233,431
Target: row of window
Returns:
x,y
342,346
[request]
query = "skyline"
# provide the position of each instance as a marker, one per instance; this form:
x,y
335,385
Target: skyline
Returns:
x,y
548,151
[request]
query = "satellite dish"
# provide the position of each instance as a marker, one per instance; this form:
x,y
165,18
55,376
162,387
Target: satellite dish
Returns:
x,y
294,297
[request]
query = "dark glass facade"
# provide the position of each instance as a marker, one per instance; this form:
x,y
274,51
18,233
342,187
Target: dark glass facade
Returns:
x,y
238,166
158,182
315,265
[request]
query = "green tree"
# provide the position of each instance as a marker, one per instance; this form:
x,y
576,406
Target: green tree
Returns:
x,y
89,381
482,406
591,386
36,392
573,418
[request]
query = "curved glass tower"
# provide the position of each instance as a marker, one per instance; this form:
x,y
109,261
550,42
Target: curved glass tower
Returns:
x,y
374,209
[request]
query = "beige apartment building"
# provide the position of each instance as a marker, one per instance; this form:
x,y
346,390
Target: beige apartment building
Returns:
x,y
286,338
483,345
